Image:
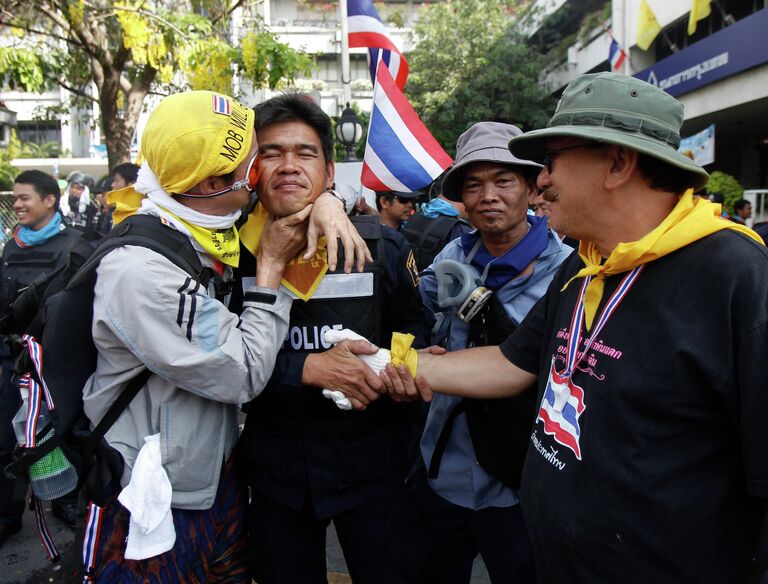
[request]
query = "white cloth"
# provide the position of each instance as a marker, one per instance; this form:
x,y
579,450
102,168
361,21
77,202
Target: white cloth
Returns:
x,y
147,184
376,362
83,202
148,499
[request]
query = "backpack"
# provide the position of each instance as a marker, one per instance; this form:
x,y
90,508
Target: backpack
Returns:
x,y
55,315
428,237
500,429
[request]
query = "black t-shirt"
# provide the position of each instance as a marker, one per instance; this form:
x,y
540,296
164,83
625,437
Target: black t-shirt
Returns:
x,y
673,435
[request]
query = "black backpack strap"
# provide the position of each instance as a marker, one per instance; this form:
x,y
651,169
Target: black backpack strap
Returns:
x,y
428,236
147,231
121,403
442,440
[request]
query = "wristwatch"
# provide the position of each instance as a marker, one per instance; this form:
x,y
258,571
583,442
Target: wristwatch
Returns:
x,y
347,204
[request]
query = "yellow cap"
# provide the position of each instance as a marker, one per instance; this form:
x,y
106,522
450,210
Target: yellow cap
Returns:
x,y
194,135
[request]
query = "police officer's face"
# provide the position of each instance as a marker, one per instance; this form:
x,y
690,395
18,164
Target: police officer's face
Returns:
x,y
496,197
294,171
76,189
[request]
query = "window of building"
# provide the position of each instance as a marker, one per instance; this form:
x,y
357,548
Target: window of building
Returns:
x,y
724,13
39,131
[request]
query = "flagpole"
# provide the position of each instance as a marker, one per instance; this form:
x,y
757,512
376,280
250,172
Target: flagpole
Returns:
x,y
345,75
626,17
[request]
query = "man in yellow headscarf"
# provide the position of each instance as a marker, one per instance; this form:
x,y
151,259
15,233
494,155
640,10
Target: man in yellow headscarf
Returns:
x,y
647,459
177,435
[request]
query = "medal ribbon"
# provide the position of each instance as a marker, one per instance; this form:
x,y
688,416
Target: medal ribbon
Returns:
x,y
573,355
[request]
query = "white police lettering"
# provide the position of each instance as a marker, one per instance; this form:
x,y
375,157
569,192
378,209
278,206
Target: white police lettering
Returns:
x,y
310,338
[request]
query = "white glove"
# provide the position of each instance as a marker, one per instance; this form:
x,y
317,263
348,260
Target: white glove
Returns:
x,y
376,362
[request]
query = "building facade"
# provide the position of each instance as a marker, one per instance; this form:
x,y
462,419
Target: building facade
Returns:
x,y
719,73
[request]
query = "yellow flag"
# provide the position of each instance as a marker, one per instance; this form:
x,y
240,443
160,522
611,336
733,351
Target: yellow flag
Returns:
x,y
700,9
647,26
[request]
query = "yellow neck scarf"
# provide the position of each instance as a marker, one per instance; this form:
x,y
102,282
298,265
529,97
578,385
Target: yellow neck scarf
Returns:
x,y
126,202
691,219
221,244
302,277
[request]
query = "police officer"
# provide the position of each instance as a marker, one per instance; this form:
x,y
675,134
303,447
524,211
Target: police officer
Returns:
x,y
77,204
40,245
307,462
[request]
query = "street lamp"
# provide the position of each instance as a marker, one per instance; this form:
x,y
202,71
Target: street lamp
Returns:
x,y
349,130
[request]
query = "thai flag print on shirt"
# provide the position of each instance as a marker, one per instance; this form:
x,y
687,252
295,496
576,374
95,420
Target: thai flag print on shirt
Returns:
x,y
560,409
563,402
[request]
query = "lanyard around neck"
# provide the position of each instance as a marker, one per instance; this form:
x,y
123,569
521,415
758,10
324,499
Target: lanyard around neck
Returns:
x,y
573,355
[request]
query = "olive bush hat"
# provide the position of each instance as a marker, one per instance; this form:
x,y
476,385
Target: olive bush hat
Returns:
x,y
616,109
483,142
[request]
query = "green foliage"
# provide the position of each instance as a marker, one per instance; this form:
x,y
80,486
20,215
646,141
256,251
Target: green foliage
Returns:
x,y
471,64
8,172
728,186
592,20
130,48
17,149
21,69
266,62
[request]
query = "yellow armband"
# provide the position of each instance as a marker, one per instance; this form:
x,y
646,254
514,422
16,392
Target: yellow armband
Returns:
x,y
401,352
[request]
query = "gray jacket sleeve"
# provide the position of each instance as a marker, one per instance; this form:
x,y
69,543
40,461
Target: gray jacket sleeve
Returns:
x,y
168,322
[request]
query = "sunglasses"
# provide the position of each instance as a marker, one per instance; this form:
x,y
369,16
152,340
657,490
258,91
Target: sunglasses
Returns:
x,y
549,155
403,200
249,182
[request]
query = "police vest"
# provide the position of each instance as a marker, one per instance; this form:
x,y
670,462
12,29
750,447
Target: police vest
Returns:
x,y
22,266
353,301
428,236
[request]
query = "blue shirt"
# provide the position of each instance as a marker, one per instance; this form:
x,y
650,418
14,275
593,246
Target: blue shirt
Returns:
x,y
462,480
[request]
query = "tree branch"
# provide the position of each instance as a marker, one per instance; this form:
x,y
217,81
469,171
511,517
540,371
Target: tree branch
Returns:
x,y
153,16
43,33
76,91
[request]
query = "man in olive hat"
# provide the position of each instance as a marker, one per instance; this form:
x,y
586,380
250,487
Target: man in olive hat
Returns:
x,y
647,459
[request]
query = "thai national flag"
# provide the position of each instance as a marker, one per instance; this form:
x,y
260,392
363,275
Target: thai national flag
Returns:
x,y
367,30
561,407
400,154
395,62
220,104
616,55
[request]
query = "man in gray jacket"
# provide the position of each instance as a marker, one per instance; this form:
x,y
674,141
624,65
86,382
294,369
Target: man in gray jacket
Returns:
x,y
200,166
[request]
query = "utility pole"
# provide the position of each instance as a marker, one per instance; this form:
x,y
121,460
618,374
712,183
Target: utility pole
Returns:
x,y
345,74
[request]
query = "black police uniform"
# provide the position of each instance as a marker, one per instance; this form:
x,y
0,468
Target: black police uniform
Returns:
x,y
428,236
307,462
20,267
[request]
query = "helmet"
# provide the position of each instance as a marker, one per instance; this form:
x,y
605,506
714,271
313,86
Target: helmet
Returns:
x,y
80,178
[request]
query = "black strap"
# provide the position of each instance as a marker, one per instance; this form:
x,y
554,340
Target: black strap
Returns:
x,y
442,440
428,236
121,403
147,231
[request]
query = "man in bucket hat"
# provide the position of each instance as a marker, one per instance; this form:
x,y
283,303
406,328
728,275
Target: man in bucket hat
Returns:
x,y
470,507
648,460
177,435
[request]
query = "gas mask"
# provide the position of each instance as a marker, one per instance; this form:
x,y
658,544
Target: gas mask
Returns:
x,y
460,285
